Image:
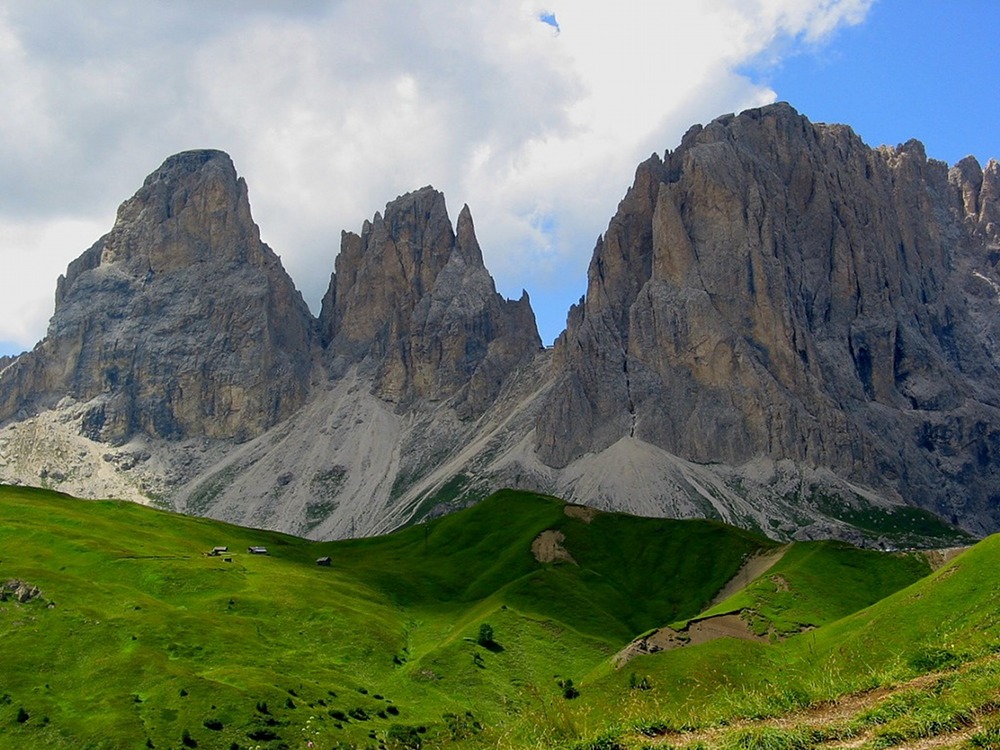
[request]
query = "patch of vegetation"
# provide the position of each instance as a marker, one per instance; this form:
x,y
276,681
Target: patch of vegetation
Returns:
x,y
316,513
449,492
327,484
907,526
769,738
204,494
403,737
569,690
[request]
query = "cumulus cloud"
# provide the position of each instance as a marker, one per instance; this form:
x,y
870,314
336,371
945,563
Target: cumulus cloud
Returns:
x,y
535,115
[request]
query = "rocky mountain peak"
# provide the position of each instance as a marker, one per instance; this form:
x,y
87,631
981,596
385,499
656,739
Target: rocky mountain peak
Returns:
x,y
193,209
178,322
777,289
411,299
465,237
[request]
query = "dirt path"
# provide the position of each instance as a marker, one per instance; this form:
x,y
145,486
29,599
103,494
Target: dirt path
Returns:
x,y
839,711
752,569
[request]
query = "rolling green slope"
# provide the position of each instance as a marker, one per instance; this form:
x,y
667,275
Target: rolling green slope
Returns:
x,y
945,626
149,638
815,583
140,639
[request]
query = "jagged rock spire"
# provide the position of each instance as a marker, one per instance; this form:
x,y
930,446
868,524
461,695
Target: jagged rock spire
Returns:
x,y
412,300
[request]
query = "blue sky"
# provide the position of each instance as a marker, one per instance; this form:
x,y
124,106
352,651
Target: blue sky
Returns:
x,y
534,115
925,69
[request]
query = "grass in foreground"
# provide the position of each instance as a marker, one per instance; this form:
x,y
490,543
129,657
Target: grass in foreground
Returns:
x,y
150,643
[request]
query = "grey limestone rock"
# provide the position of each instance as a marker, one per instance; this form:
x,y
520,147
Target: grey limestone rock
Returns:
x,y
412,301
776,288
178,322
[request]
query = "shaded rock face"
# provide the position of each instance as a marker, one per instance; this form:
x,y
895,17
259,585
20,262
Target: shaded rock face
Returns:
x,y
776,288
412,301
178,322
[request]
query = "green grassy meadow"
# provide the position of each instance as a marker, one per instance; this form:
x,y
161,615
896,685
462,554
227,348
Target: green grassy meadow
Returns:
x,y
141,640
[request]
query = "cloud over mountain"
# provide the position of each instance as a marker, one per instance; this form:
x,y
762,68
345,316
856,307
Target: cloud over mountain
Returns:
x,y
329,107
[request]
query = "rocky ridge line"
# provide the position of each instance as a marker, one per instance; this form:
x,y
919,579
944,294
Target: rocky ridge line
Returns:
x,y
783,329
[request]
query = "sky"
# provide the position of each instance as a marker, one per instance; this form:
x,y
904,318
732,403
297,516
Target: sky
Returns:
x,y
534,113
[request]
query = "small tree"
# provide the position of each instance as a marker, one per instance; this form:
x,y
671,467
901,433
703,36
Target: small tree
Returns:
x,y
569,690
485,634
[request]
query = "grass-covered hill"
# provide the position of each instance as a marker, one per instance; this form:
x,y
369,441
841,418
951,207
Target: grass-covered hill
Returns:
x,y
452,633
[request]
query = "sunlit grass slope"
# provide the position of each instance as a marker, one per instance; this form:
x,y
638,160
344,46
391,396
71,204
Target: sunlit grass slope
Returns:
x,y
947,623
140,639
816,583
151,640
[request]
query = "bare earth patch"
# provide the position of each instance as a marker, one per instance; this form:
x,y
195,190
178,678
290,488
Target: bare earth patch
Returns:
x,y
581,512
709,628
548,548
697,632
938,558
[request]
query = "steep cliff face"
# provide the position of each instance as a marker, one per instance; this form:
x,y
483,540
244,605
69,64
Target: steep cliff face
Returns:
x,y
413,303
179,322
775,288
783,328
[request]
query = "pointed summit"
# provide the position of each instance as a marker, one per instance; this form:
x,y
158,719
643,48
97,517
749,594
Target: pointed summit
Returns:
x,y
178,322
465,232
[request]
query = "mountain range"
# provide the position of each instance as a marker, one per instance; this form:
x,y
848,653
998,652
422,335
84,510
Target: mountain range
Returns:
x,y
783,329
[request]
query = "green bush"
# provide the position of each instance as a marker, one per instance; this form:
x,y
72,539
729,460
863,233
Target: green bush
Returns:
x,y
485,634
569,690
768,738
639,683
988,738
933,659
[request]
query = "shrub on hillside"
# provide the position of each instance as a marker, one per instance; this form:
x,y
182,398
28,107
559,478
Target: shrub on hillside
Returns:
x,y
569,690
485,634
638,683
462,726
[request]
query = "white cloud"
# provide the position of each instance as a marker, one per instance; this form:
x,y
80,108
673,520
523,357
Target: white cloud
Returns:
x,y
330,109
33,251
